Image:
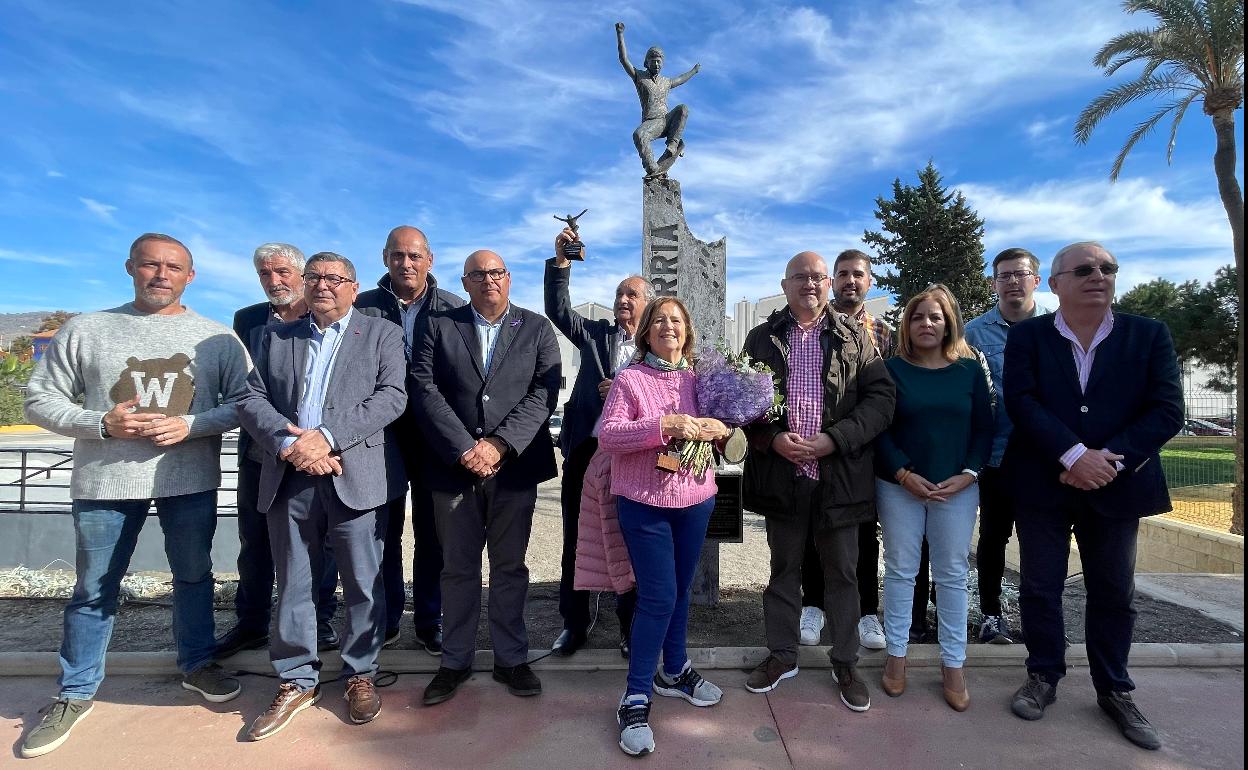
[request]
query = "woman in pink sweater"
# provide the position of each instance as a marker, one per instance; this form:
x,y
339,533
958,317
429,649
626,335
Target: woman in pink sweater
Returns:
x,y
662,513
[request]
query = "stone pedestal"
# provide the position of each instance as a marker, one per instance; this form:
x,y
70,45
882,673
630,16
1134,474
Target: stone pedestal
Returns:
x,y
680,265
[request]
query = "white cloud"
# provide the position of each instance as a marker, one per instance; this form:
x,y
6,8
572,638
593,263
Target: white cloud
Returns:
x,y
102,210
38,259
54,174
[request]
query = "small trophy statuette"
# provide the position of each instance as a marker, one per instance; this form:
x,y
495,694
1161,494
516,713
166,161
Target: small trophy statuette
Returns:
x,y
574,249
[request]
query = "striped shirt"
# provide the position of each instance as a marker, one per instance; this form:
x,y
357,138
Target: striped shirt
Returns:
x,y
804,387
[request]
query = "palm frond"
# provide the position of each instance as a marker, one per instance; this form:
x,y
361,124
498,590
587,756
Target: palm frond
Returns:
x,y
1174,126
1142,130
1121,95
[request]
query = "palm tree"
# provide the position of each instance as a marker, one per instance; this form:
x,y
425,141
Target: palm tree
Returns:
x,y
1195,52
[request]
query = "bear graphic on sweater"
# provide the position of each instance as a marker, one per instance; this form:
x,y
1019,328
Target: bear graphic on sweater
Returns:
x,y
163,385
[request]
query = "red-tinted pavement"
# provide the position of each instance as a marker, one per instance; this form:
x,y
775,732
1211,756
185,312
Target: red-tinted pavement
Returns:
x,y
142,722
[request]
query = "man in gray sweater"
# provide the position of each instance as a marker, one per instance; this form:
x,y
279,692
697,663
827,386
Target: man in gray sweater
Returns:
x,y
145,390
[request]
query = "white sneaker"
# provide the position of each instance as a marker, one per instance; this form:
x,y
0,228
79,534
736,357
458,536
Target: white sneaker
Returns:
x,y
811,624
871,633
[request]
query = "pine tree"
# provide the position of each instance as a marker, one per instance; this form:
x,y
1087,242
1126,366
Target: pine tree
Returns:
x,y
930,235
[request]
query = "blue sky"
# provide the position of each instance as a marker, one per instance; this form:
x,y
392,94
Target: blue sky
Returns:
x,y
325,124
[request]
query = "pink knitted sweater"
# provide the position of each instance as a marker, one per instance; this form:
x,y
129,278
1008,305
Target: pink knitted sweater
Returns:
x,y
630,433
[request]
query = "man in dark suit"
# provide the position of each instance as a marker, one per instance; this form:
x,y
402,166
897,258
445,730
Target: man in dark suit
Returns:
x,y
1093,396
280,269
606,347
487,379
406,294
319,405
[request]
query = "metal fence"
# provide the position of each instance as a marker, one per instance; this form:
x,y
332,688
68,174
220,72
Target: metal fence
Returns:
x,y
1199,463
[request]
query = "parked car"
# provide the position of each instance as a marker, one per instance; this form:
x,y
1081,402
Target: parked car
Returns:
x,y
556,425
1194,426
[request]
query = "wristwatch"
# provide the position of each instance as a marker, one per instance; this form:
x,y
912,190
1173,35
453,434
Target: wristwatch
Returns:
x,y
973,474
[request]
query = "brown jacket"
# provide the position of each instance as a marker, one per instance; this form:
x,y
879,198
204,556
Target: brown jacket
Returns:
x,y
858,400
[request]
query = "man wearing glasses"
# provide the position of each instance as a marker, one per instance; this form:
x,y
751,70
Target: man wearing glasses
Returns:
x,y
1093,395
405,295
1015,277
486,380
319,404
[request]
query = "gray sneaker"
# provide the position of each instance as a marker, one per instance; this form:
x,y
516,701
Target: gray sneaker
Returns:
x,y
58,720
688,684
854,692
213,683
636,738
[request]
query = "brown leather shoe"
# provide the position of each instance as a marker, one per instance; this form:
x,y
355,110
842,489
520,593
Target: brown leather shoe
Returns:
x,y
893,681
363,700
290,700
955,689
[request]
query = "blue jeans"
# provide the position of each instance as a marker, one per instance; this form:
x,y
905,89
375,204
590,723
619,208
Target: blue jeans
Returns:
x,y
948,526
663,545
106,532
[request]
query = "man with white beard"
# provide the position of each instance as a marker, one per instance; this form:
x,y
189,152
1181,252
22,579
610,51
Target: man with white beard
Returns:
x,y
279,267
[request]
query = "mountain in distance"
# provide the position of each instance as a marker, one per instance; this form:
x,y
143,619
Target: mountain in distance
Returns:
x,y
19,324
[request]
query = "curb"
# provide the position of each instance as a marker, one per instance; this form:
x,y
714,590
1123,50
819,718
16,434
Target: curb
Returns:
x,y
20,429
707,658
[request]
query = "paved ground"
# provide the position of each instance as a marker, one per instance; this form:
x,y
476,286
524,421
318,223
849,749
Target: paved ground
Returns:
x,y
150,722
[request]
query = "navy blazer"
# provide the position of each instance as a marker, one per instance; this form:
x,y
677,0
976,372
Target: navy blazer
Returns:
x,y
364,395
1133,405
457,402
598,342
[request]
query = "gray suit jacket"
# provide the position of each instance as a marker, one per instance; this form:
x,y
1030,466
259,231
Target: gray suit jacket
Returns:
x,y
366,393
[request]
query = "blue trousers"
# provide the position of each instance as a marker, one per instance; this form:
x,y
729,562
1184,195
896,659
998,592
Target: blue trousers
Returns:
x,y
948,526
107,532
306,516
663,545
253,601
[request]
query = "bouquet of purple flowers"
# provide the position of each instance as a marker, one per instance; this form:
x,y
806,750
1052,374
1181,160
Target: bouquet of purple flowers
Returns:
x,y
734,390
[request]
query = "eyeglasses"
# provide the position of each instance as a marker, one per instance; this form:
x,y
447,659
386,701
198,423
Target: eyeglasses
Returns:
x,y
1017,276
805,278
479,276
403,255
331,280
1083,271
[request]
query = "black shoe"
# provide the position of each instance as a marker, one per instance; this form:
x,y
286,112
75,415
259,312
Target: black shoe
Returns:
x,y
626,648
444,684
238,639
326,636
520,680
569,642
1031,699
1130,721
431,639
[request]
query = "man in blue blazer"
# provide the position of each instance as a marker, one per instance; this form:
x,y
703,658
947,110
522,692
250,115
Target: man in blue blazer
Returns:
x,y
606,347
1093,395
320,401
486,382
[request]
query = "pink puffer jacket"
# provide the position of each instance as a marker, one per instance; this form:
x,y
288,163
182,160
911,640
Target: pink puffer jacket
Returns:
x,y
602,562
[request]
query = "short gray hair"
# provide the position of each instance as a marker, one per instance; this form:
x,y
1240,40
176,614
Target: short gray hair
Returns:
x,y
1056,267
647,288
267,251
329,256
161,238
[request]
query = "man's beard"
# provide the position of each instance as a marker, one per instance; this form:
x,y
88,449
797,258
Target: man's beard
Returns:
x,y
286,298
158,300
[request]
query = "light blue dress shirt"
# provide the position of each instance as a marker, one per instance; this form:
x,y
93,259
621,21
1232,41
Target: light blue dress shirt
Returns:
x,y
987,334
408,313
487,335
323,348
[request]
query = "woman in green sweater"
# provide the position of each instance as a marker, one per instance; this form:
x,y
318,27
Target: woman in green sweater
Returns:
x,y
927,464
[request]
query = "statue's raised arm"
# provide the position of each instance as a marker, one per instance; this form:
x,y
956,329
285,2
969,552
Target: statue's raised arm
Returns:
x,y
680,79
619,43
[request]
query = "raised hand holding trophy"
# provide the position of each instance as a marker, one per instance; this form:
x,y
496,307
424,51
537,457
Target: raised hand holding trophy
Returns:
x,y
573,249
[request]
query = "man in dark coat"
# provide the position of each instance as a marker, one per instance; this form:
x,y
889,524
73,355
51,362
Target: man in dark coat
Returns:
x,y
812,469
405,295
1093,395
606,347
486,382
